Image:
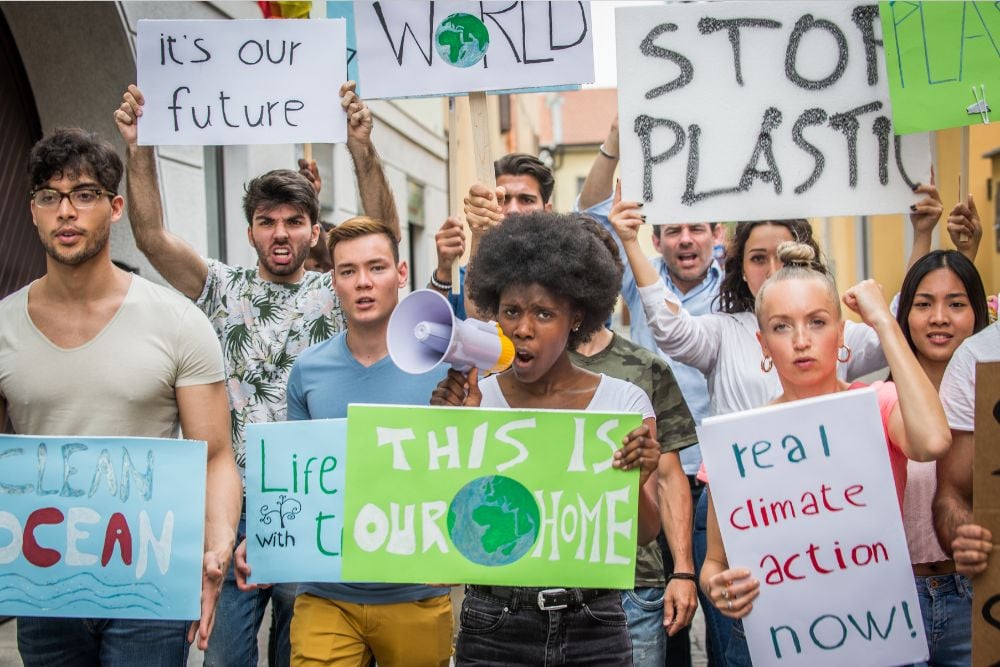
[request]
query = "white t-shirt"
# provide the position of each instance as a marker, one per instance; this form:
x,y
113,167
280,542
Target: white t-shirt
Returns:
x,y
612,395
958,387
119,383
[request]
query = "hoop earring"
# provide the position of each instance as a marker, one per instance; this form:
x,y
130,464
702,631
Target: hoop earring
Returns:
x,y
847,356
766,364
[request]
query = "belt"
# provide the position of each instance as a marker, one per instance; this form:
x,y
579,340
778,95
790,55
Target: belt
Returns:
x,y
543,599
933,569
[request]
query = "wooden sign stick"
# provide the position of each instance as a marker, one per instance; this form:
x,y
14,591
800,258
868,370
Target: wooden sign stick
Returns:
x,y
481,150
963,174
455,204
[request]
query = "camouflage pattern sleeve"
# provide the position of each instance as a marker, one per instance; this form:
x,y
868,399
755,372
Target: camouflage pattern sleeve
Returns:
x,y
675,427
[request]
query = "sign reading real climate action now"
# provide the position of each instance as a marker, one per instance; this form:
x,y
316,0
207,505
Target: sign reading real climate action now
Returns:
x,y
758,110
518,497
805,499
101,527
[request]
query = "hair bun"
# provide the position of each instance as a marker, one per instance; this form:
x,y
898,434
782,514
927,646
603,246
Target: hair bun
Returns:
x,y
793,253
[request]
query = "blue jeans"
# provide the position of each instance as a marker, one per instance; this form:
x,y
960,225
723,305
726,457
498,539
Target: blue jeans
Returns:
x,y
737,649
644,611
498,632
946,607
717,626
101,642
233,641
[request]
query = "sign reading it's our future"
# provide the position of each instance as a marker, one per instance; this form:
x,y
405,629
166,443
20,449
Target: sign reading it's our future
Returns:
x,y
101,527
516,497
423,48
805,500
241,82
756,110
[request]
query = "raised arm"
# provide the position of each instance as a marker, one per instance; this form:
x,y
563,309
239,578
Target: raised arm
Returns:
x,y
204,415
917,424
965,228
376,196
600,179
924,216
178,263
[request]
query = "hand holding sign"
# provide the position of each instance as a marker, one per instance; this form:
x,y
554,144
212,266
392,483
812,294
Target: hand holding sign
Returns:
x,y
484,208
127,115
971,549
359,116
458,389
626,217
965,227
638,449
733,591
924,215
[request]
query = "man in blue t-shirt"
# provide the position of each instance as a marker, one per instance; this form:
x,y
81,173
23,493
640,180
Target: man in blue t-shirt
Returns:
x,y
350,624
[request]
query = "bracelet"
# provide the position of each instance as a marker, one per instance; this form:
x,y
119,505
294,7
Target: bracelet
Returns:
x,y
683,576
437,284
606,154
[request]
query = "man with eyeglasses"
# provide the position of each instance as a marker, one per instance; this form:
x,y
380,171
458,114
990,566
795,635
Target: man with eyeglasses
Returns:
x,y
264,316
91,350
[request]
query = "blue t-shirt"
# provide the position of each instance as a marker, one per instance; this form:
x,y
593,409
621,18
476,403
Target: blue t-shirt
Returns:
x,y
324,380
457,301
699,300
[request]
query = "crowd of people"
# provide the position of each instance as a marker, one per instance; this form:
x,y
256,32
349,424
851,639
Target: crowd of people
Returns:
x,y
302,334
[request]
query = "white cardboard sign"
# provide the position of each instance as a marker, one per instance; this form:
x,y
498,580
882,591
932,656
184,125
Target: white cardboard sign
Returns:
x,y
422,48
755,110
805,499
241,81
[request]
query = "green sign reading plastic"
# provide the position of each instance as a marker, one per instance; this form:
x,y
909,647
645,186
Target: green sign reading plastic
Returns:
x,y
508,497
942,60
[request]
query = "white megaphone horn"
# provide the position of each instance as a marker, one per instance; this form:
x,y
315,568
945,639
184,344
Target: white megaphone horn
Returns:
x,y
423,332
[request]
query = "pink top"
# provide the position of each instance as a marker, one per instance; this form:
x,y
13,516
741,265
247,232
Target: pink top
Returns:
x,y
885,394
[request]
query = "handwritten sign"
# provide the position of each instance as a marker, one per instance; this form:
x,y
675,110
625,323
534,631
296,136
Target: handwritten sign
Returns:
x,y
806,501
408,49
942,58
295,500
241,82
513,497
754,110
986,506
101,527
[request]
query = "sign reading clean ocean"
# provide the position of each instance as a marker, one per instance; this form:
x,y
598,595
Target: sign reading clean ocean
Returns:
x,y
515,497
101,527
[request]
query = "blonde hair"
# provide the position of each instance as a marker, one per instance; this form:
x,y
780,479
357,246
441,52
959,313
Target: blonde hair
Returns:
x,y
799,263
358,226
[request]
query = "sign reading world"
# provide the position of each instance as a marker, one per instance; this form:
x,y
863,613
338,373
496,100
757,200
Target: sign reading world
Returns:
x,y
516,497
101,527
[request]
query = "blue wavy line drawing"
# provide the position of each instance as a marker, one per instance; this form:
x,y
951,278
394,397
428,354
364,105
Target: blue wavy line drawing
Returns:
x,y
100,605
84,591
86,575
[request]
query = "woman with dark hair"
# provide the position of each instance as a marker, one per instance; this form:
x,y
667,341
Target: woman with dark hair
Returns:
x,y
550,287
942,302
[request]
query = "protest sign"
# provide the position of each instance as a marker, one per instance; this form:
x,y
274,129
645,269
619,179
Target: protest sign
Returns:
x,y
756,110
805,499
986,506
101,527
942,58
513,497
409,49
295,500
241,82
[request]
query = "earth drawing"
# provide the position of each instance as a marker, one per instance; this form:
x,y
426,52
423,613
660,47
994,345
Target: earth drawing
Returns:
x,y
462,40
493,520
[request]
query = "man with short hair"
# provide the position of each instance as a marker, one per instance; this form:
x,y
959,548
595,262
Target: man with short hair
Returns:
x,y
264,316
350,624
524,185
91,350
686,264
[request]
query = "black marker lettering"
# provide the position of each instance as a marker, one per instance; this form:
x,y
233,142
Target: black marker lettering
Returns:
x,y
482,16
864,16
428,54
174,106
802,26
707,26
197,45
289,107
644,126
222,98
559,47
524,38
260,52
649,49
690,197
882,128
809,117
170,49
764,146
897,146
847,123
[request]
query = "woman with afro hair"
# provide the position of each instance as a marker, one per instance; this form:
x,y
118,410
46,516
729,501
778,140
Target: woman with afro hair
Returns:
x,y
550,285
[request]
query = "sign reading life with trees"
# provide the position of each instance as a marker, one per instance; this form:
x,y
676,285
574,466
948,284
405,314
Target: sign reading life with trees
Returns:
x,y
421,48
241,82
101,527
754,110
805,498
515,497
942,59
295,500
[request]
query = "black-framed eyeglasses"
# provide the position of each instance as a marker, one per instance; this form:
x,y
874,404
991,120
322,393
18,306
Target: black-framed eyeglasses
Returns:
x,y
80,198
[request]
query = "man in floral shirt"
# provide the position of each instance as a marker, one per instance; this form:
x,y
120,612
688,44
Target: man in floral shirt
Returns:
x,y
265,316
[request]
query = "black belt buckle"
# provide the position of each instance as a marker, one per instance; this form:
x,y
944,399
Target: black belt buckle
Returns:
x,y
555,599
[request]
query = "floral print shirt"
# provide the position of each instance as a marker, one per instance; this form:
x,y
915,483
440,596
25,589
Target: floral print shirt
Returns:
x,y
263,327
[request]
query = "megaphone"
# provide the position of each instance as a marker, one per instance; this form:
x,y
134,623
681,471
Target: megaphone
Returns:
x,y
423,332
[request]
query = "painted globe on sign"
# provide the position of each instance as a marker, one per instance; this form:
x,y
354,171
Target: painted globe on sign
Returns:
x,y
493,520
461,40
